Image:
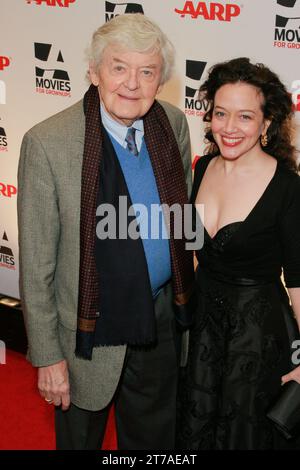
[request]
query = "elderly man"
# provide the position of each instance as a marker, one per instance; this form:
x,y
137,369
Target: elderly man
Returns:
x,y
100,308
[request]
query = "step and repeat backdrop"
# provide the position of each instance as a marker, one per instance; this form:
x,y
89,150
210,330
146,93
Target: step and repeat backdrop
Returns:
x,y
43,69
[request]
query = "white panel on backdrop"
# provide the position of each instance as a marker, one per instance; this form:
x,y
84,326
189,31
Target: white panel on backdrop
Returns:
x,y
43,68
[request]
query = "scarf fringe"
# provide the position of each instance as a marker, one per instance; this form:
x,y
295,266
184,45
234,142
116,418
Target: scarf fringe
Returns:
x,y
81,354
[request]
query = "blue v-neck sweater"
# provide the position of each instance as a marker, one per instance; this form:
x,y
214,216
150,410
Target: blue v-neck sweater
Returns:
x,y
141,184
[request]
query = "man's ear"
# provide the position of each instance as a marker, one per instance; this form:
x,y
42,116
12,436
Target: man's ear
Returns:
x,y
93,74
159,89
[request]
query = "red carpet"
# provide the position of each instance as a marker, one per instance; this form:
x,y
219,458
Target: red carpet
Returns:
x,y
26,421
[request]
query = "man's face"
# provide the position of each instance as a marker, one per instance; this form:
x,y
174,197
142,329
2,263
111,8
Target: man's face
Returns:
x,y
128,82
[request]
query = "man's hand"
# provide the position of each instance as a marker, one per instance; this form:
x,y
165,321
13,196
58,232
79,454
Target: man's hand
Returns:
x,y
53,384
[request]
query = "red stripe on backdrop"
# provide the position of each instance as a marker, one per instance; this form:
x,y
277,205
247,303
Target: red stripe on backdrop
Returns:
x,y
26,421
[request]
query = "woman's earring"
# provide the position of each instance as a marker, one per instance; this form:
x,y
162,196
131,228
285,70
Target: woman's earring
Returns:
x,y
264,140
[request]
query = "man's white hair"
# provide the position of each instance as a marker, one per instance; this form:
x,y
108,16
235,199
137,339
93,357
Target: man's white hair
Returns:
x,y
135,32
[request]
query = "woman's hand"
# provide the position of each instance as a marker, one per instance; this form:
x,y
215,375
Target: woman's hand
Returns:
x,y
293,375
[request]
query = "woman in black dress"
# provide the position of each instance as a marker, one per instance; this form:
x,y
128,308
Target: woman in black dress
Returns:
x,y
240,351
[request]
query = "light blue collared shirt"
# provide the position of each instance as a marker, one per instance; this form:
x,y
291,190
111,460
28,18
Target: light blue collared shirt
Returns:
x,y
119,131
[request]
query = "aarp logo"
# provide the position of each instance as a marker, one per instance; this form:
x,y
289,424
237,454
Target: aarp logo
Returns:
x,y
212,11
4,62
52,3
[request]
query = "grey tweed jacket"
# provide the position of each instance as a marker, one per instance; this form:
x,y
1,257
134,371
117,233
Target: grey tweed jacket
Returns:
x,y
49,180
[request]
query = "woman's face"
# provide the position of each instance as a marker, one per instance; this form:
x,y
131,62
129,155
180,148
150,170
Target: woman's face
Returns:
x,y
237,120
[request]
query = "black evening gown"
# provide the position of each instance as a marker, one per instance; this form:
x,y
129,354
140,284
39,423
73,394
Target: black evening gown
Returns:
x,y
239,345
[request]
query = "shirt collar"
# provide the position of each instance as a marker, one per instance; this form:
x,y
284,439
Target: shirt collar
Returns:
x,y
119,131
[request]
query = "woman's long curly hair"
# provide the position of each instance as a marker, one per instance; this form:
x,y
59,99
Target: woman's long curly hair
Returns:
x,y
277,105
